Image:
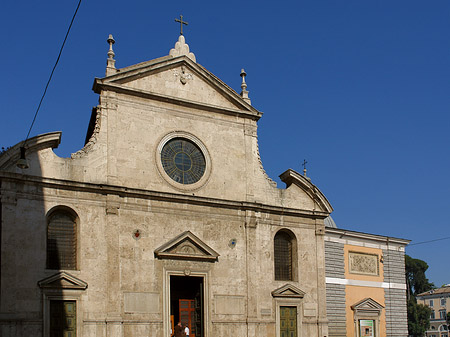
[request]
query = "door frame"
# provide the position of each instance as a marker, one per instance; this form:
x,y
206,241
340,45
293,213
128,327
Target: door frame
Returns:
x,y
166,297
66,295
286,302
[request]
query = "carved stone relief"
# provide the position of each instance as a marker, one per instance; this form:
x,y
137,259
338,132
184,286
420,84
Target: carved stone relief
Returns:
x,y
360,263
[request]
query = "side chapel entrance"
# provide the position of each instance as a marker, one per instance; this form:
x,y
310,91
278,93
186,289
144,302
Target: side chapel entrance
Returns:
x,y
186,303
288,321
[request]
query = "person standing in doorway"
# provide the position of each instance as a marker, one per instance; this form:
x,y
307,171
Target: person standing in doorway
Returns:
x,y
186,331
179,331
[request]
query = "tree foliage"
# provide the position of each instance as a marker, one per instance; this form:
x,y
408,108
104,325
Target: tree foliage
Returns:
x,y
418,318
417,282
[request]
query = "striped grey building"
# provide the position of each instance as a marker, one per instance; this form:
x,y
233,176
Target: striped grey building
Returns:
x,y
365,284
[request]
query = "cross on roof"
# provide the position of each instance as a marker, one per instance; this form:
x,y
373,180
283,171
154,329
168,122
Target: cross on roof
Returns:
x,y
180,20
304,167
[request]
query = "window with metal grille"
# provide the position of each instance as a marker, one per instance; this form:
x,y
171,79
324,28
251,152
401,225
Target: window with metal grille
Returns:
x,y
283,256
61,241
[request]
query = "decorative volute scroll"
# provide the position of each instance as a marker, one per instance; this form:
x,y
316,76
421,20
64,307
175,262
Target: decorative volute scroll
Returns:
x,y
288,291
63,280
292,177
187,246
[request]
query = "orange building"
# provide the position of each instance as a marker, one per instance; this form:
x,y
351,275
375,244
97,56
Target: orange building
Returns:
x,y
366,287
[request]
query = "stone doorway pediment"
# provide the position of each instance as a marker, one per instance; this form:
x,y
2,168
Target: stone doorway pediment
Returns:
x,y
288,291
367,304
186,246
63,280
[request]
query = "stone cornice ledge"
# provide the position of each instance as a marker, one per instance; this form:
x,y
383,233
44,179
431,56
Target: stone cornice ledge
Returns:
x,y
163,196
46,140
174,100
343,234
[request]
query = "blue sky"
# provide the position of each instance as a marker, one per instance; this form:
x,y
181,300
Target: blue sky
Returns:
x,y
360,89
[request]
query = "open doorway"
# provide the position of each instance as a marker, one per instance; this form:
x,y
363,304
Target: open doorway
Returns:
x,y
186,303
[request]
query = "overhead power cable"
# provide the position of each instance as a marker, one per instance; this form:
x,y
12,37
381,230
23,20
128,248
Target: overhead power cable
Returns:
x,y
423,242
53,70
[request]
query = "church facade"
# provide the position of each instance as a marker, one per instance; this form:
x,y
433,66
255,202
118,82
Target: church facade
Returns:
x,y
165,215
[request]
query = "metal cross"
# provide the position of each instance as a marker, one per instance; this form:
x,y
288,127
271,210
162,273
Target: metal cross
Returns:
x,y
180,20
304,164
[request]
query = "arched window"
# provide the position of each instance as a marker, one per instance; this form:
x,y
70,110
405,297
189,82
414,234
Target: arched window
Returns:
x,y
285,255
62,239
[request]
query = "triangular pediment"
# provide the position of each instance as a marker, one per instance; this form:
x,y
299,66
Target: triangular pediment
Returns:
x,y
187,246
367,304
63,280
288,290
178,80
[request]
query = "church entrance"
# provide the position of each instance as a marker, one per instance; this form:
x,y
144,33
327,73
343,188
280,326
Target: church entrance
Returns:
x,y
186,303
288,321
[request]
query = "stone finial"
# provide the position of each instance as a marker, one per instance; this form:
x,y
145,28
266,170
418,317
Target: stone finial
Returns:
x,y
181,48
111,63
244,92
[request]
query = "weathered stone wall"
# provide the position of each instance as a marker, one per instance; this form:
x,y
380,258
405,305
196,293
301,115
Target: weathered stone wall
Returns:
x,y
116,186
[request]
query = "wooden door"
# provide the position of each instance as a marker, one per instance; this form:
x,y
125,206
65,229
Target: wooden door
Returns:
x,y
63,321
187,312
288,321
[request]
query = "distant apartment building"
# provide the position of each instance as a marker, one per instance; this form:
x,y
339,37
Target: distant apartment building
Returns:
x,y
439,302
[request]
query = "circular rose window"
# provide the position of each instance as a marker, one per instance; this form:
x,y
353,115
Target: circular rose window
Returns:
x,y
183,161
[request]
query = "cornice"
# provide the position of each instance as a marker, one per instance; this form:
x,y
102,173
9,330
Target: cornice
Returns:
x,y
174,100
348,234
121,191
292,177
46,140
114,83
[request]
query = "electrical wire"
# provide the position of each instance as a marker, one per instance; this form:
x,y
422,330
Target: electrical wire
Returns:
x,y
53,70
420,243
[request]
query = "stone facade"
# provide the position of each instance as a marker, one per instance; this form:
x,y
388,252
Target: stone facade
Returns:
x,y
153,234
144,240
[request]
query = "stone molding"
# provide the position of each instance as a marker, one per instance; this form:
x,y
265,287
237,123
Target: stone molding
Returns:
x,y
63,280
114,83
288,291
364,239
187,246
290,177
103,189
361,283
44,141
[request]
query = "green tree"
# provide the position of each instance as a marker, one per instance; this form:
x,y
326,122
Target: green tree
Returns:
x,y
418,318
417,282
